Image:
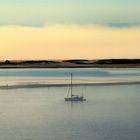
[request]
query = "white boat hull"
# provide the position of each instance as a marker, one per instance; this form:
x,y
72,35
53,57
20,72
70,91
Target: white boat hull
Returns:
x,y
75,99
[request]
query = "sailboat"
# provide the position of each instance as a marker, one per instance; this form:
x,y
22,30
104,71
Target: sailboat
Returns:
x,y
72,96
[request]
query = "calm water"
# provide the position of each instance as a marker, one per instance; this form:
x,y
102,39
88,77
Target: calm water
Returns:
x,y
97,72
110,112
54,76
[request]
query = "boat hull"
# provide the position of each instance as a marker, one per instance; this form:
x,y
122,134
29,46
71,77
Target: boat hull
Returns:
x,y
75,99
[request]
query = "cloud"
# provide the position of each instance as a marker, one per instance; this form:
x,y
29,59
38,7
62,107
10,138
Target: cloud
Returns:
x,y
122,24
101,12
69,41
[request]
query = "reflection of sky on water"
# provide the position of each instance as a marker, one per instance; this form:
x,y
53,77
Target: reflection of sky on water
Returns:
x,y
62,76
56,80
79,72
110,113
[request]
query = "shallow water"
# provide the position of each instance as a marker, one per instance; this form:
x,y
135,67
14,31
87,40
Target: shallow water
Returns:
x,y
64,72
62,76
110,113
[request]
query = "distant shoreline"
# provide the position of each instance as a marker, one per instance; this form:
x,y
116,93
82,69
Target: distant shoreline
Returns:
x,y
6,87
75,63
68,66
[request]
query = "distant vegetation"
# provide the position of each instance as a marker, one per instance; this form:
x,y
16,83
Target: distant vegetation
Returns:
x,y
76,61
79,61
37,62
73,63
12,62
104,61
118,61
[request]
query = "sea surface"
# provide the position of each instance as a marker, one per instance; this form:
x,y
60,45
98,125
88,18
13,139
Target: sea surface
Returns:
x,y
110,113
62,76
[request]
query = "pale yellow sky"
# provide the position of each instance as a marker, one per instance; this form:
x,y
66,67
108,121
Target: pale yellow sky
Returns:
x,y
69,42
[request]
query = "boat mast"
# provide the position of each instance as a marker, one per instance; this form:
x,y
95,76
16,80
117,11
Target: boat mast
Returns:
x,y
71,85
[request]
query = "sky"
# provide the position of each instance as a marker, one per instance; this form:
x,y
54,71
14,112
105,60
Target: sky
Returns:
x,y
69,29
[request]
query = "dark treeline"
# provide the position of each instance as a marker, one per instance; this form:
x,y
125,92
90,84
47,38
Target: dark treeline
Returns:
x,y
37,62
73,61
104,61
78,61
10,62
118,61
